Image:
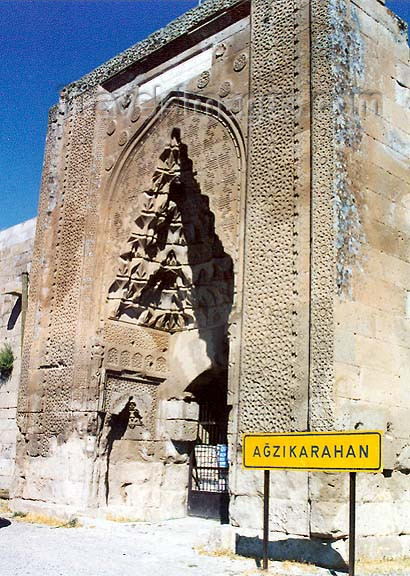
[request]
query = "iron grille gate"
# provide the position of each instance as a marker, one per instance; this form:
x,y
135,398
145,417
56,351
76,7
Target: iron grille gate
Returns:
x,y
208,491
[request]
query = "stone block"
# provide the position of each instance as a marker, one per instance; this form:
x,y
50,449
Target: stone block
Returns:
x,y
366,24
182,430
6,467
379,547
365,415
395,215
383,182
173,504
397,116
374,354
378,488
402,461
175,477
39,489
344,347
402,510
381,294
8,437
246,511
381,387
220,538
6,424
180,410
284,485
329,519
70,493
376,519
355,317
347,379
328,487
289,516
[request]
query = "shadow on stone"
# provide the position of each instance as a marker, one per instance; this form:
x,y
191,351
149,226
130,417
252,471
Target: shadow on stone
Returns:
x,y
317,552
15,314
4,523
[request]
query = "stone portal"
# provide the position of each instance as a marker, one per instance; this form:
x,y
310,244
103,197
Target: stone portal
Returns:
x,y
222,247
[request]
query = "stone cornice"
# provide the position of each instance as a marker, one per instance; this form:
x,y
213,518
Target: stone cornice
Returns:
x,y
178,28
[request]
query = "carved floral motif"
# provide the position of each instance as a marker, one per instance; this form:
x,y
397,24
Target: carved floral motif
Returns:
x,y
225,89
240,62
203,80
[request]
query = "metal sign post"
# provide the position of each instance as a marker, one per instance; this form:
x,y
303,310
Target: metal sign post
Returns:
x,y
350,451
352,524
266,489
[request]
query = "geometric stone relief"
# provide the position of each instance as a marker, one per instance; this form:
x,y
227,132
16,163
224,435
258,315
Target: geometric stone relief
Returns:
x,y
269,356
117,358
174,274
323,272
128,336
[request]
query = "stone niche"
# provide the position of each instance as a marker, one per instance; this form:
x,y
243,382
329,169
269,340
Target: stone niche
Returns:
x,y
173,227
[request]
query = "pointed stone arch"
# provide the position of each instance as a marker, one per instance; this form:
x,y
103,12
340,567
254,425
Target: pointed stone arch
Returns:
x,y
145,269
174,274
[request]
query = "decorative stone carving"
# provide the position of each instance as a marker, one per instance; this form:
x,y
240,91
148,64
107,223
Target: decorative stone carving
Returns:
x,y
125,358
109,163
112,125
130,361
270,371
220,50
139,396
225,89
137,361
204,80
97,358
135,418
126,101
240,62
237,106
123,138
161,364
174,274
136,114
113,356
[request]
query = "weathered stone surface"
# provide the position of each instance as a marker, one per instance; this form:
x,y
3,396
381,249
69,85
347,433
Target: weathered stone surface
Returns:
x,y
132,339
223,247
16,247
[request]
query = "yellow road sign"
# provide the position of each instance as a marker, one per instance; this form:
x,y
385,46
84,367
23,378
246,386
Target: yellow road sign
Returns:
x,y
356,451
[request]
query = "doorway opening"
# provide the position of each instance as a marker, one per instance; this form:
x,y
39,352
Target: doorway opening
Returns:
x,y
208,488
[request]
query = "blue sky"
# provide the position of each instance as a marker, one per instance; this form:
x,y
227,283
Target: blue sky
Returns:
x,y
46,44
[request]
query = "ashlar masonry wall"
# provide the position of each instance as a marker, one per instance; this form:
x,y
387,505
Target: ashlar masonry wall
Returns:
x,y
16,247
371,322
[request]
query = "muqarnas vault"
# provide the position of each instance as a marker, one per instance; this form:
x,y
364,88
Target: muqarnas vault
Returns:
x,y
222,247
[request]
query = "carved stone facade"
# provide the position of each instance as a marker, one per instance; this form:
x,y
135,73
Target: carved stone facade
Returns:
x,y
209,230
16,252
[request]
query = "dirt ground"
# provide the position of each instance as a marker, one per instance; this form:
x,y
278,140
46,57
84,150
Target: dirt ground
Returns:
x,y
103,548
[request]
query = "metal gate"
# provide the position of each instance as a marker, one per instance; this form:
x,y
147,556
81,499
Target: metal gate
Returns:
x,y
208,490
